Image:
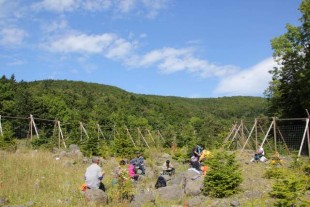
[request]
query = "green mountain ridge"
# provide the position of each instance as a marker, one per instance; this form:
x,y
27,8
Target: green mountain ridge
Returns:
x,y
77,101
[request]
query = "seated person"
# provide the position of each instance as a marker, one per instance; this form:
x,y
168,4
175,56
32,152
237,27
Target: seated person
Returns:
x,y
94,175
168,169
194,162
138,163
132,173
259,153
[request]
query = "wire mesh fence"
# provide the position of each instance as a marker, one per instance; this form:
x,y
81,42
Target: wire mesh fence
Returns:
x,y
285,136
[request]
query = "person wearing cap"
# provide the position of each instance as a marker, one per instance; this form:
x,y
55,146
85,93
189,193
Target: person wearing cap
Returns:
x,y
140,162
94,175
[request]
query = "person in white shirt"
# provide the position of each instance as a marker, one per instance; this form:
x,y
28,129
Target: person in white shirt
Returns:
x,y
259,153
94,175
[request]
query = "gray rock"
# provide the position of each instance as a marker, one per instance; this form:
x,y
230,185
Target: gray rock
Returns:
x,y
178,179
63,154
166,156
3,201
149,173
194,187
173,192
96,197
143,198
234,203
85,160
55,150
73,148
195,201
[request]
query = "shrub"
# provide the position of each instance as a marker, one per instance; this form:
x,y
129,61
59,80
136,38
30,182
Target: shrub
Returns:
x,y
181,154
224,177
288,190
7,141
274,173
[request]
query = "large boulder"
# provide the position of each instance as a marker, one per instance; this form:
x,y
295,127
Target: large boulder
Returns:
x,y
96,197
74,151
143,198
196,201
173,192
193,183
178,179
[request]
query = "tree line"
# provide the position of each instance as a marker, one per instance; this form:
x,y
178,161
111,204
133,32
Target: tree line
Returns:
x,y
183,121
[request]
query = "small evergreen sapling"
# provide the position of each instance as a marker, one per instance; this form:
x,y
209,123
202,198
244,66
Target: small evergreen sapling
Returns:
x,y
223,177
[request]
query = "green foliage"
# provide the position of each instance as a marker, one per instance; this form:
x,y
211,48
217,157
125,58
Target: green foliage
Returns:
x,y
43,141
288,93
181,154
104,150
297,163
287,190
181,121
290,183
125,188
275,173
90,146
306,169
37,143
7,141
123,145
223,177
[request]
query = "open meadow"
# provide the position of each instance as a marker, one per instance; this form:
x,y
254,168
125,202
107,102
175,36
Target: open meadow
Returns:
x,y
39,178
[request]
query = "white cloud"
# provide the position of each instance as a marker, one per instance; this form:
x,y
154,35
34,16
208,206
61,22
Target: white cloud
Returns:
x,y
55,26
10,11
125,6
56,5
247,82
12,36
148,8
96,5
107,44
154,6
171,60
167,60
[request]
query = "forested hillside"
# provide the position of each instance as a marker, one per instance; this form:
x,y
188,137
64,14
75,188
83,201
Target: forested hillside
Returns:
x,y
182,120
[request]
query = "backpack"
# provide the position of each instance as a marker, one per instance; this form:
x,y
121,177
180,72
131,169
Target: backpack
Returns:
x,y
161,182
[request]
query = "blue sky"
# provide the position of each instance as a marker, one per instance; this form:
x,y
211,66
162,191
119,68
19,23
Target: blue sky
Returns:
x,y
187,48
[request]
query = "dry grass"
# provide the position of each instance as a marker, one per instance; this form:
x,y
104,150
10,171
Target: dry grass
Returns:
x,y
35,176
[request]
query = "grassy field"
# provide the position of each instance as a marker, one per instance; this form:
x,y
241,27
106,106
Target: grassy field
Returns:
x,y
38,178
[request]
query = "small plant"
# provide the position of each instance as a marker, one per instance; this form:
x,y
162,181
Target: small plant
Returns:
x,y
288,190
181,154
274,173
224,176
7,142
